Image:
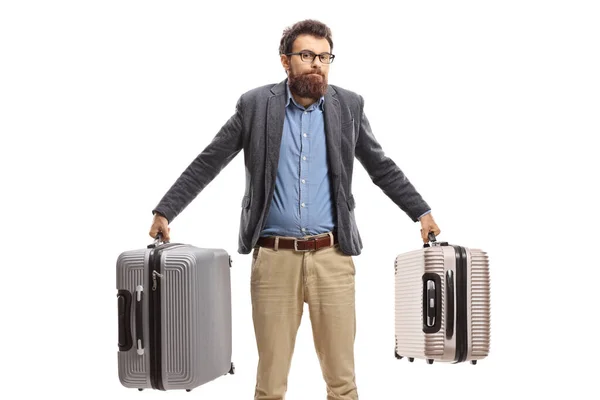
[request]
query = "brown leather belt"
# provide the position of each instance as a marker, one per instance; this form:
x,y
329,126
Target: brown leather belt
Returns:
x,y
299,244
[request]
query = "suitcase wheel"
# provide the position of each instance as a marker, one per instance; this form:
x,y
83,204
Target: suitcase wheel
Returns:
x,y
188,390
474,362
411,359
429,361
398,356
232,369
140,389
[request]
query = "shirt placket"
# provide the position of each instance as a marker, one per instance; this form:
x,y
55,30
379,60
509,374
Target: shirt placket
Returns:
x,y
304,170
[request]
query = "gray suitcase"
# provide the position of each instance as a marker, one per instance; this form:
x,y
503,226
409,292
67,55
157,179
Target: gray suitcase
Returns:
x,y
174,308
442,303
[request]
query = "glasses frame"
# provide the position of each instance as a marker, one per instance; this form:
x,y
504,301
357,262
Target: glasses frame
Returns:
x,y
299,53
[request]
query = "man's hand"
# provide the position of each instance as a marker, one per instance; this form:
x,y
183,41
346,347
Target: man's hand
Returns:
x,y
160,224
428,225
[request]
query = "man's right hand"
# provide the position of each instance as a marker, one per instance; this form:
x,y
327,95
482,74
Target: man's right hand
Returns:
x,y
160,224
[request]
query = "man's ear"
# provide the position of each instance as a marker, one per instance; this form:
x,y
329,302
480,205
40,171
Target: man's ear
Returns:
x,y
285,61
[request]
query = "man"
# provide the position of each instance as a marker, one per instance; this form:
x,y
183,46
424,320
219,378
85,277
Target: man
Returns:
x,y
299,138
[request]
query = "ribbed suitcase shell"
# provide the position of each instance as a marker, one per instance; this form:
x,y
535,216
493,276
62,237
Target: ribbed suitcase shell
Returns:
x,y
195,308
411,340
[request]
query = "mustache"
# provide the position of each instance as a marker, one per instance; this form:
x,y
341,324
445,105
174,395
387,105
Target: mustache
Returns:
x,y
318,72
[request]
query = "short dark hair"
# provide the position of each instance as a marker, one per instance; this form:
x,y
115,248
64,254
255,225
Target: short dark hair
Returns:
x,y
306,27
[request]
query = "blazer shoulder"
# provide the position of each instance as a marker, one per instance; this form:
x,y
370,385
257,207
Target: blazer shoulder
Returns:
x,y
258,92
347,96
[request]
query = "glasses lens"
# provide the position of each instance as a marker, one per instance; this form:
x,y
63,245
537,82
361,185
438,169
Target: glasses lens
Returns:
x,y
307,56
326,58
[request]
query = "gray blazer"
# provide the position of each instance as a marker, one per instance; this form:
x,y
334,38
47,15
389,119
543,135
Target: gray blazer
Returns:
x,y
257,126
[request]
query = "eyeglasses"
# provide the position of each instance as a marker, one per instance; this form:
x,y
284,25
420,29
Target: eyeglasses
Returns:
x,y
308,56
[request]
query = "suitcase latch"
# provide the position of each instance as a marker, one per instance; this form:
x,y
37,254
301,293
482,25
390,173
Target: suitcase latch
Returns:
x,y
154,280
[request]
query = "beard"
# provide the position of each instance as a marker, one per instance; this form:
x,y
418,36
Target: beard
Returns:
x,y
312,85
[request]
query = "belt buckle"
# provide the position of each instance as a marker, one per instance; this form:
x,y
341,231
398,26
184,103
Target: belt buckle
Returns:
x,y
296,245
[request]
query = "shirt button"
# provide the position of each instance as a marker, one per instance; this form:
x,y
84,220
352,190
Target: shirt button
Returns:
x,y
305,112
303,181
304,158
305,135
303,205
303,229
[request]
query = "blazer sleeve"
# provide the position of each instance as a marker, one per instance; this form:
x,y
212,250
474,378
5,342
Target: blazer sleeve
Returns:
x,y
207,165
384,172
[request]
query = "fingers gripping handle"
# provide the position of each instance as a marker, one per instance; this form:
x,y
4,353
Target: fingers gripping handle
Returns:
x,y
431,237
157,241
434,241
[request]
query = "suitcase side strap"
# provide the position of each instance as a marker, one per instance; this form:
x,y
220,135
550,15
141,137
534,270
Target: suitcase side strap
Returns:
x,y
462,344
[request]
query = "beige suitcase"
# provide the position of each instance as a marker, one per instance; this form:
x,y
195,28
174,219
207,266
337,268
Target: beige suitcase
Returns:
x,y
442,303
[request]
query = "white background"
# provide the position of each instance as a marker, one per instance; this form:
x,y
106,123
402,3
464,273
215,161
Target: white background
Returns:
x,y
491,109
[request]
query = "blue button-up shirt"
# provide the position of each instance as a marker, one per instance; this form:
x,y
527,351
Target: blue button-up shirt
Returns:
x,y
301,203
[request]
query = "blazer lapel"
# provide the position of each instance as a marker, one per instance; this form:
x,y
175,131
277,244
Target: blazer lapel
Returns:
x,y
333,133
274,128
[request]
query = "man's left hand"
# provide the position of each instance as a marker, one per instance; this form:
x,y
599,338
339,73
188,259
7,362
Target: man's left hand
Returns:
x,y
428,225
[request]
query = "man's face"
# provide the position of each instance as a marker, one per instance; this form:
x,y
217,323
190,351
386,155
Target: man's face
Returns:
x,y
307,79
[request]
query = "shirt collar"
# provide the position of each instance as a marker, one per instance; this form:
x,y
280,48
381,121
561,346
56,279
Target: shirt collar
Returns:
x,y
290,98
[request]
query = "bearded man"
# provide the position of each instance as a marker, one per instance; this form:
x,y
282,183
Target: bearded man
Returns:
x,y
300,138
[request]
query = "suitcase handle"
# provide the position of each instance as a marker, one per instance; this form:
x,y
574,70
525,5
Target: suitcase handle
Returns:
x,y
431,237
433,240
157,241
139,326
432,302
449,304
124,307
